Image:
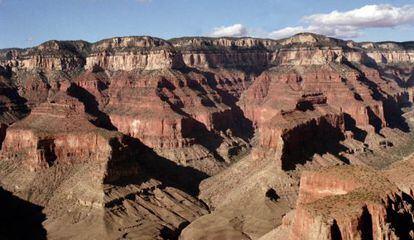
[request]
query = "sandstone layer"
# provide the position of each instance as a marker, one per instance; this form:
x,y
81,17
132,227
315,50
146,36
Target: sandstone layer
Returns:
x,y
351,203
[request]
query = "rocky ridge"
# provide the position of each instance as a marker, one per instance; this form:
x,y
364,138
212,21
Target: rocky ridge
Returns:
x,y
351,203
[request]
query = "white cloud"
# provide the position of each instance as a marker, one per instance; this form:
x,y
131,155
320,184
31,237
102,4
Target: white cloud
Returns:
x,y
347,24
351,24
383,15
236,30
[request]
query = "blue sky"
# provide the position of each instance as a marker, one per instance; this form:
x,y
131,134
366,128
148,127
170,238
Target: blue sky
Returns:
x,y
26,23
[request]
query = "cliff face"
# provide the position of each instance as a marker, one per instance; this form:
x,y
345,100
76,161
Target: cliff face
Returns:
x,y
169,111
129,53
303,49
57,156
351,203
133,53
58,132
12,105
290,105
141,121
52,55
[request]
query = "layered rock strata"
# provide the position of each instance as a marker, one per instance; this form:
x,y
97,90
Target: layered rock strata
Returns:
x,y
57,132
56,157
129,53
176,109
351,203
182,96
284,100
122,131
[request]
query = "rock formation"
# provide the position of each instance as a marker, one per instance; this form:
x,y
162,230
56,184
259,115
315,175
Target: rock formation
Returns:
x,y
138,137
351,203
89,167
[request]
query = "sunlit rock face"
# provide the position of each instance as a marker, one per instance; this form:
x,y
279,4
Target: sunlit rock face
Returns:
x,y
133,53
49,56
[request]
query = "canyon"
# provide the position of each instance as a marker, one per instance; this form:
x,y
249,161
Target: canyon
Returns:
x,y
307,137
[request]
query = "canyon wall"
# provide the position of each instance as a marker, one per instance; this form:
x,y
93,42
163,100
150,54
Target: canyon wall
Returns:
x,y
351,203
168,93
129,53
144,119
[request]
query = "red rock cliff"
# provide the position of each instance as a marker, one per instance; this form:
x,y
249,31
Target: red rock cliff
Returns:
x,y
351,203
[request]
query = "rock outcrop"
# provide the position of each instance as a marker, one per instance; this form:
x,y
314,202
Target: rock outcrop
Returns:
x,y
57,157
49,56
133,53
310,131
129,53
170,110
351,203
59,132
305,99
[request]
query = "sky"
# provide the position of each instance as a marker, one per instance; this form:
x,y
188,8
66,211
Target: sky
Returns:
x,y
25,23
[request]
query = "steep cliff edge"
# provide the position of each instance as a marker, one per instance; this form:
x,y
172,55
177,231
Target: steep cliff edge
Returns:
x,y
351,203
93,182
129,53
310,105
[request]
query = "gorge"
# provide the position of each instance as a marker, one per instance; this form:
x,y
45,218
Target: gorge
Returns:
x,y
307,137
